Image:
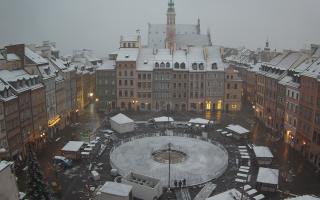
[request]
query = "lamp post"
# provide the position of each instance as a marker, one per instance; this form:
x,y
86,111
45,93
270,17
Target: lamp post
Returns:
x,y
169,151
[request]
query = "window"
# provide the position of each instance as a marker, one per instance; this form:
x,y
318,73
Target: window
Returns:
x,y
131,93
131,82
201,66
120,93
194,66
139,76
235,86
125,93
120,74
149,76
119,82
156,65
167,65
183,65
176,65
214,66
162,65
125,73
144,76
125,82
228,86
131,73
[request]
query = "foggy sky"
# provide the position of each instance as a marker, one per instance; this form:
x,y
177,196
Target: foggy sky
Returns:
x,y
98,24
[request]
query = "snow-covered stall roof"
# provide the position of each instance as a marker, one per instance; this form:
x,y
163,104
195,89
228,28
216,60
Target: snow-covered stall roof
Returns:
x,y
73,146
268,175
121,119
163,119
4,164
227,195
304,197
198,121
237,129
117,189
262,152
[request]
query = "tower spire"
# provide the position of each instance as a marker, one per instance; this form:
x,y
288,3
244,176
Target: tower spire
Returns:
x,y
171,27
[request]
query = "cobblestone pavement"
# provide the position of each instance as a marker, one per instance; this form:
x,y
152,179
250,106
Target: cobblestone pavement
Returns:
x,y
296,175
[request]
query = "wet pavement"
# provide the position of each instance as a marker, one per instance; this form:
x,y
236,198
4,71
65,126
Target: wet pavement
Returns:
x,y
296,175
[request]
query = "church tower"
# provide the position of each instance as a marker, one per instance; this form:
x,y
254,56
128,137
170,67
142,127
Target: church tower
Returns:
x,y
171,27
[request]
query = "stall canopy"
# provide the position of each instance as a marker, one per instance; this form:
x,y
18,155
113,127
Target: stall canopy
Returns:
x,y
262,152
199,121
268,176
227,195
73,146
121,123
116,189
237,129
163,119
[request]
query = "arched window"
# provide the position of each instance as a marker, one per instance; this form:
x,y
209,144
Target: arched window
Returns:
x,y
167,65
176,65
194,66
162,64
156,65
183,65
214,66
201,66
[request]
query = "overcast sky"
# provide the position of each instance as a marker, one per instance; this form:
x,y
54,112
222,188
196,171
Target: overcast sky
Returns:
x,y
98,24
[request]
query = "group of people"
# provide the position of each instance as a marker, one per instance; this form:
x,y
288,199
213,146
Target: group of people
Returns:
x,y
180,183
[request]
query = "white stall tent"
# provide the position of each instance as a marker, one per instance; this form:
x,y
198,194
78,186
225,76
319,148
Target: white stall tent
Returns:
x,y
121,123
268,179
72,149
304,197
231,194
199,121
114,191
163,119
263,155
239,131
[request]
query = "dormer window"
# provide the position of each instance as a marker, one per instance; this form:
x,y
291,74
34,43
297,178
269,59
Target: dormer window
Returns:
x,y
167,65
194,66
201,66
214,66
183,65
176,65
127,56
145,62
156,65
162,65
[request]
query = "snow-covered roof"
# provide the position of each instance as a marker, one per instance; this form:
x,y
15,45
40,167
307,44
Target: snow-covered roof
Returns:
x,y
198,121
198,40
107,65
128,54
121,119
4,164
163,119
117,189
304,197
262,152
231,194
268,175
237,129
34,57
313,70
130,38
158,33
12,57
47,71
73,146
146,59
59,64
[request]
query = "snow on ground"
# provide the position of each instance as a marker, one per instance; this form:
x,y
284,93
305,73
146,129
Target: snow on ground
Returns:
x,y
205,161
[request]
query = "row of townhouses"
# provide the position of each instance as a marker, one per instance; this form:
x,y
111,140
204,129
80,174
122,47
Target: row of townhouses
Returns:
x,y
178,70
40,93
285,94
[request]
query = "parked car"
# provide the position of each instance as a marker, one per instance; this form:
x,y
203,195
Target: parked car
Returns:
x,y
62,162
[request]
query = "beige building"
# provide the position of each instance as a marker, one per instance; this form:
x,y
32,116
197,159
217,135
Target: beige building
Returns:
x,y
232,90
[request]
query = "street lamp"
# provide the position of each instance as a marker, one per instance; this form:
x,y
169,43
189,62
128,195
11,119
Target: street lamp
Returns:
x,y
169,151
